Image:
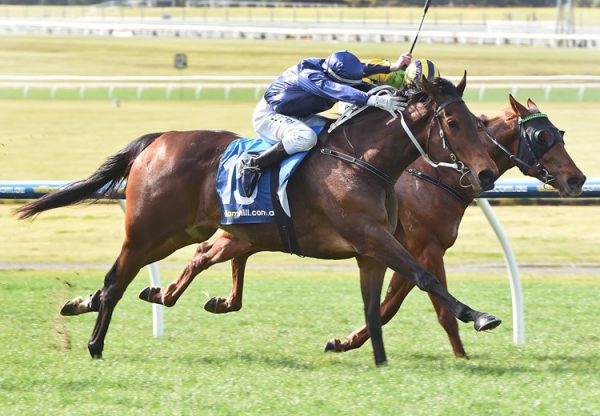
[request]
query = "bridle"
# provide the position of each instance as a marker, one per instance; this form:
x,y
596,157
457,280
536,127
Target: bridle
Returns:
x,y
530,147
456,164
437,111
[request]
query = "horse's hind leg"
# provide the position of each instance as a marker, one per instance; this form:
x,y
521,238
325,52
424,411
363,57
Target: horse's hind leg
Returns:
x,y
223,249
128,264
132,258
80,305
233,303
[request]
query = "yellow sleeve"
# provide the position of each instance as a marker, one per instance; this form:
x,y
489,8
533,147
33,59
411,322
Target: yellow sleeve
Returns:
x,y
377,78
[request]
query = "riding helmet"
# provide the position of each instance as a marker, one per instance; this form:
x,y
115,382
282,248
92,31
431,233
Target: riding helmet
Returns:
x,y
344,67
417,69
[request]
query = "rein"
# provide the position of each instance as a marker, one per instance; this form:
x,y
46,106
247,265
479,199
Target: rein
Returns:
x,y
457,165
352,111
361,163
437,182
524,166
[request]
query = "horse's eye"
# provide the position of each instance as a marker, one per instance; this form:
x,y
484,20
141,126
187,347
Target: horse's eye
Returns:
x,y
452,124
541,136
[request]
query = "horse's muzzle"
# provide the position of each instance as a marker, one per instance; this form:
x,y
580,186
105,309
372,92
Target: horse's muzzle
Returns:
x,y
487,179
572,187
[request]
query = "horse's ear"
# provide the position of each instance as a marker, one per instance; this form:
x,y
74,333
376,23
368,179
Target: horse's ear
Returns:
x,y
518,108
532,106
427,86
462,84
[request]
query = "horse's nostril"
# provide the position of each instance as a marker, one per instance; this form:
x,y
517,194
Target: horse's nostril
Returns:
x,y
576,181
486,179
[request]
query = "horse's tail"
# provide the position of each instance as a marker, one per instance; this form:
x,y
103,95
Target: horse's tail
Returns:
x,y
102,182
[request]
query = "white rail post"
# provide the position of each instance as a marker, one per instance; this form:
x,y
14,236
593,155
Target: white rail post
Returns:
x,y
157,310
513,272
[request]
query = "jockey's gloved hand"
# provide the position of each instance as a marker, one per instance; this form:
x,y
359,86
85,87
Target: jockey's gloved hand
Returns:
x,y
385,102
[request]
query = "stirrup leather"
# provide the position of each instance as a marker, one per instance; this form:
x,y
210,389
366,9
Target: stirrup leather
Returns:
x,y
249,176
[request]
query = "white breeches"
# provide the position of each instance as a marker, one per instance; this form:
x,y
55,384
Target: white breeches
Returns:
x,y
294,133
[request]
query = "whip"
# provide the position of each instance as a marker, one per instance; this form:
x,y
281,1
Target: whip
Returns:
x,y
425,8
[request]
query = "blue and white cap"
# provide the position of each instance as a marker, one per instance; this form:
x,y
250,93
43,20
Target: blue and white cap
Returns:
x,y
344,67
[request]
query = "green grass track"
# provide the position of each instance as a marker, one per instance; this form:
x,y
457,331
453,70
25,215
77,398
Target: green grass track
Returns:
x,y
268,359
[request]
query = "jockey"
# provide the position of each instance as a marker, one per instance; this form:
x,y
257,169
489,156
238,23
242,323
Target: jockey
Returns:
x,y
417,70
407,78
310,87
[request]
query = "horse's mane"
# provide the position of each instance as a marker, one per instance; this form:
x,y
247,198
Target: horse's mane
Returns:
x,y
508,114
442,85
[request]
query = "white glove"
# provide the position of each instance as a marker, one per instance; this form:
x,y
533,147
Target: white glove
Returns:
x,y
388,103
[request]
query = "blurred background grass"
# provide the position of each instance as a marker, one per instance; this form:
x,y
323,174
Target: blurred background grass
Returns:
x,y
92,55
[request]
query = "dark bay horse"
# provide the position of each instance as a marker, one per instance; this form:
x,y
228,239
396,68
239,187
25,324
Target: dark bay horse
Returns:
x,y
536,147
431,204
341,210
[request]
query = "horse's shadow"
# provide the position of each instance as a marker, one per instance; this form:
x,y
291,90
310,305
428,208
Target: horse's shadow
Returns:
x,y
530,364
274,360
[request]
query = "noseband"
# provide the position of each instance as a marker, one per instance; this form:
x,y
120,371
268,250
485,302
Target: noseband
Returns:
x,y
457,164
530,147
384,89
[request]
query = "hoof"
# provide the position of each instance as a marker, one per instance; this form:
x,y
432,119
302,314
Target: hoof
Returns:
x,y
74,307
95,351
486,322
145,294
211,305
70,307
334,345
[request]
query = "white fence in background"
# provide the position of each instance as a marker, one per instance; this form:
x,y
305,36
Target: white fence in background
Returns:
x,y
258,83
357,32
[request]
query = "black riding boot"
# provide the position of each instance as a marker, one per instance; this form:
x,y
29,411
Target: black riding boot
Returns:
x,y
252,168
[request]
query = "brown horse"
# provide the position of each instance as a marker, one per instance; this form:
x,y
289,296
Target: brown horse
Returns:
x,y
341,210
535,145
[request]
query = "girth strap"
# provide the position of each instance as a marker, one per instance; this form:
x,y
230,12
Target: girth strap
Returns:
x,y
285,225
361,163
420,175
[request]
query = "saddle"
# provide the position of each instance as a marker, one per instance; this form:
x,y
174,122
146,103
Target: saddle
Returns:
x,y
268,203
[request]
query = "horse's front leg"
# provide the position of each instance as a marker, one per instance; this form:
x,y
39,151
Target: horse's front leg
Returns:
x,y
397,291
391,253
371,281
434,262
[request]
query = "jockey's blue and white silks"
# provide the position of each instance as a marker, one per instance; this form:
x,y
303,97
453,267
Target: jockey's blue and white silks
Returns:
x,y
305,89
258,207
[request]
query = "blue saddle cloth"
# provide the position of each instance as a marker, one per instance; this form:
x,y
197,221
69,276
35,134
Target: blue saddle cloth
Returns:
x,y
258,207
